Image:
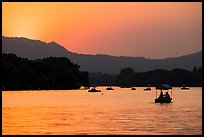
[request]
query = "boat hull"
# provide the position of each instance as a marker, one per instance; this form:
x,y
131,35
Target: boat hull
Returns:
x,y
184,88
162,100
94,91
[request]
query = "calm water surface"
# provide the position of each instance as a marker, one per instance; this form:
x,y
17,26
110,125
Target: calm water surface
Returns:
x,y
120,111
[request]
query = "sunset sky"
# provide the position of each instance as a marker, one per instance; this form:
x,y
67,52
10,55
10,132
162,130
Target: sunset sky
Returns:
x,y
151,30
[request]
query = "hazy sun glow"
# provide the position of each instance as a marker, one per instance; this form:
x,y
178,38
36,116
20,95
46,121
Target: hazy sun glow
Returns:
x,y
154,30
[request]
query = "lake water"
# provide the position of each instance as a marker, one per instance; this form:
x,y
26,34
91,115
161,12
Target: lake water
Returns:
x,y
120,111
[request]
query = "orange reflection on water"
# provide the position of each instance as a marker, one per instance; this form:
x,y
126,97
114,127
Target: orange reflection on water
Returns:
x,y
121,111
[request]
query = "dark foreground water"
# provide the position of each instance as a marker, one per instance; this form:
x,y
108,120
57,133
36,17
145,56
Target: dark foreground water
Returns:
x,y
121,111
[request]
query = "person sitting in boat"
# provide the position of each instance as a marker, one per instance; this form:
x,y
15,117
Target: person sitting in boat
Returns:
x,y
167,96
161,96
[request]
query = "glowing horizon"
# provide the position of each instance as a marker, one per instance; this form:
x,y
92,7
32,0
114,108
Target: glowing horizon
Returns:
x,y
151,30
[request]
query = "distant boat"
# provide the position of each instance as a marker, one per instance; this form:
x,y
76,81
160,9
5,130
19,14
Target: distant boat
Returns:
x,y
133,88
147,88
163,99
109,88
94,90
184,88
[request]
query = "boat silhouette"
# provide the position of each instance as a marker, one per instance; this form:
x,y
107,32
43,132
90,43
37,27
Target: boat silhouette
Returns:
x,y
133,88
164,98
147,88
109,88
94,90
184,87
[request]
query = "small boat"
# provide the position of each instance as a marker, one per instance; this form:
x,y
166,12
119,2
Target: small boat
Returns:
x,y
133,88
147,88
163,98
94,90
109,88
184,88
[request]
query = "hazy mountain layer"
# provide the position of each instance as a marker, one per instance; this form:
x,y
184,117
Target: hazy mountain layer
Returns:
x,y
35,49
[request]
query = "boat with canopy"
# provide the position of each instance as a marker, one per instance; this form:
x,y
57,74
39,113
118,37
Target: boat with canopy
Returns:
x,y
163,98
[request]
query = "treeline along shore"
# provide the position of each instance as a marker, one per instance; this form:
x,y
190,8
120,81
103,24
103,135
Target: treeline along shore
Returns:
x,y
128,77
56,73
44,74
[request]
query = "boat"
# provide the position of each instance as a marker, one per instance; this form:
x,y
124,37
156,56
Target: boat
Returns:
x,y
109,88
94,90
184,88
157,100
148,88
163,99
133,88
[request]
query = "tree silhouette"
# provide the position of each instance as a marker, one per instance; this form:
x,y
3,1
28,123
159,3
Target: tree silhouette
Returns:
x,y
48,73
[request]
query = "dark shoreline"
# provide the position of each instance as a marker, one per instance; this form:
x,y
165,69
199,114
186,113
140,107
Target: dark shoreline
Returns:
x,y
87,89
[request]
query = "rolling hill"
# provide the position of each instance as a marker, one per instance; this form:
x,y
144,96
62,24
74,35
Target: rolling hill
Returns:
x,y
35,49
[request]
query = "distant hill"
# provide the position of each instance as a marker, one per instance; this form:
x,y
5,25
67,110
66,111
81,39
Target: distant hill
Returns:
x,y
35,49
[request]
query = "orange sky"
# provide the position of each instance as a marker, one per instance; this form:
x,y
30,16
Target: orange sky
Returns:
x,y
152,30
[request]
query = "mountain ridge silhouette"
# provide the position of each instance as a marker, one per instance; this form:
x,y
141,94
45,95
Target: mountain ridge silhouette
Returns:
x,y
36,49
